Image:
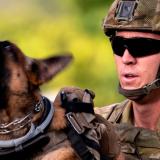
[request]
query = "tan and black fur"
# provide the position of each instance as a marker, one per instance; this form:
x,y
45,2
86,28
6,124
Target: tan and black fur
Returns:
x,y
20,78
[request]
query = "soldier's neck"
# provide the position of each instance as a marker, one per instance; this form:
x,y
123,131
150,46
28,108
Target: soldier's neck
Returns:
x,y
147,111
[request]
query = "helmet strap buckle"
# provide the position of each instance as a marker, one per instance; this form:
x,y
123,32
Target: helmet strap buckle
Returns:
x,y
155,84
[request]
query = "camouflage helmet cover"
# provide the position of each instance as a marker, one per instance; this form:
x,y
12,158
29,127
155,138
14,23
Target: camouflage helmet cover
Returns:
x,y
137,15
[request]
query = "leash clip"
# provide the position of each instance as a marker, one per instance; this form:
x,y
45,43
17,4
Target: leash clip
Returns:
x,y
74,122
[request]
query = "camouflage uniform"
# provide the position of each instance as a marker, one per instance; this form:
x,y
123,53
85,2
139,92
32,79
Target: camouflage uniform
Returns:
x,y
144,16
136,143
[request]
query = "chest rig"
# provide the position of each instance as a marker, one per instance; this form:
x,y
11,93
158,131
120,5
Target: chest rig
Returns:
x,y
136,143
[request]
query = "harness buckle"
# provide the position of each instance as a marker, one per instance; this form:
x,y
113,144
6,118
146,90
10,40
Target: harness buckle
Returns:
x,y
72,118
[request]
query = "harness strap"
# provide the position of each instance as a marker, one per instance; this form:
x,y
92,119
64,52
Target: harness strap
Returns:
x,y
79,145
25,149
76,106
76,131
116,112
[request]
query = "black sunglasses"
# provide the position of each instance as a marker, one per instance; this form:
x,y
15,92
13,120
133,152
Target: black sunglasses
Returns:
x,y
137,46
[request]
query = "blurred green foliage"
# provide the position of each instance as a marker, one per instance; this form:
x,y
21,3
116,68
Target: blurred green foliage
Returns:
x,y
42,28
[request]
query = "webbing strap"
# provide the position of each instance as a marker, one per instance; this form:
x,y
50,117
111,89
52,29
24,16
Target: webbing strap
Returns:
x,y
76,131
114,116
26,150
79,145
76,107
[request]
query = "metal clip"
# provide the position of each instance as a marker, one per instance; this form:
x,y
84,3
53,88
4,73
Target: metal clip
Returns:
x,y
153,85
73,121
38,107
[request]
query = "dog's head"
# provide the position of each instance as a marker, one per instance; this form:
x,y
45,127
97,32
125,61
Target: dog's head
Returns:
x,y
20,76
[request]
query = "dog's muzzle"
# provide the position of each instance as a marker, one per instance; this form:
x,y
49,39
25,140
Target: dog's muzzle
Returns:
x,y
33,136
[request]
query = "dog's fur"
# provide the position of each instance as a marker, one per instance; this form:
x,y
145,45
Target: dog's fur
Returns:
x,y
20,78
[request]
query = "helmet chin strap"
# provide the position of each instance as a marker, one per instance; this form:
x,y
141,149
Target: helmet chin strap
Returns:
x,y
139,93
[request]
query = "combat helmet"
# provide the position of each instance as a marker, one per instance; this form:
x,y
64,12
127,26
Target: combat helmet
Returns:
x,y
138,15
134,15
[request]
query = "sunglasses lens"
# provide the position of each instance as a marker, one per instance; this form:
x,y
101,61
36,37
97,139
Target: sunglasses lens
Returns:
x,y
117,45
137,47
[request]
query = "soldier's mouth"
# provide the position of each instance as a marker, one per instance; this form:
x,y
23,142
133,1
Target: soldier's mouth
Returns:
x,y
129,77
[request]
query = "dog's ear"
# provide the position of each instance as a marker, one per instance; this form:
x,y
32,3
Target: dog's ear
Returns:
x,y
42,70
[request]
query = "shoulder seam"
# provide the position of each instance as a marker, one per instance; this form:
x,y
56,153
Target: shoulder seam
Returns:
x,y
105,111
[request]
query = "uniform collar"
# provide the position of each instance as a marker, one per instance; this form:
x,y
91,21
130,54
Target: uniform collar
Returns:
x,y
127,115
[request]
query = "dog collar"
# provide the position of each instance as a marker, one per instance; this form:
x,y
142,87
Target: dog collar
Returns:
x,y
34,130
22,122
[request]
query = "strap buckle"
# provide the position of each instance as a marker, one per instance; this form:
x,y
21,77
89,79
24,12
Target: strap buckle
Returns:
x,y
155,84
72,118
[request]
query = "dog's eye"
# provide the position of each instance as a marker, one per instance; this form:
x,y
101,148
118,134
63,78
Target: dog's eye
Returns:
x,y
34,67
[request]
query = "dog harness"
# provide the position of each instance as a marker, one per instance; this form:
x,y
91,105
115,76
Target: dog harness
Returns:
x,y
78,126
37,137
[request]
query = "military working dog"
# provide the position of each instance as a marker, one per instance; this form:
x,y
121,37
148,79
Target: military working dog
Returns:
x,y
32,127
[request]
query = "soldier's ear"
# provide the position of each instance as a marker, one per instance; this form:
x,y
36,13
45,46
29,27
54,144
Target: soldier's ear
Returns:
x,y
42,70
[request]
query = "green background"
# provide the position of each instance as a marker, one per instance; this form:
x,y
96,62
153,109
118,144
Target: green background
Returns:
x,y
42,28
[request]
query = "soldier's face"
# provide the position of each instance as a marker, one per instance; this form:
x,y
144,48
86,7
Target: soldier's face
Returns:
x,y
135,72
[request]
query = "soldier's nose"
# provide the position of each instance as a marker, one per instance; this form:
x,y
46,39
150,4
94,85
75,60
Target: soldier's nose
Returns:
x,y
127,58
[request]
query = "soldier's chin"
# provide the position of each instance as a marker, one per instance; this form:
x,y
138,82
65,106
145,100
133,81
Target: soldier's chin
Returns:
x,y
128,87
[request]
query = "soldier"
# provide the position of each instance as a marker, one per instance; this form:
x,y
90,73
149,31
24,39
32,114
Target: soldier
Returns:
x,y
133,27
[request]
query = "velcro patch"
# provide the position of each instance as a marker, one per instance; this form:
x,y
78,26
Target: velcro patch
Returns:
x,y
125,10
